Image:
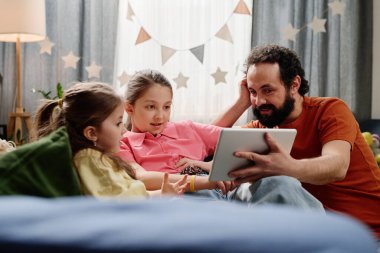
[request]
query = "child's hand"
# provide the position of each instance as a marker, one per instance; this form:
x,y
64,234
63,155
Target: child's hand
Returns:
x,y
186,162
176,188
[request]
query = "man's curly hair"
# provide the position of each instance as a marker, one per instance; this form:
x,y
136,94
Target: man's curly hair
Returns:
x,y
288,61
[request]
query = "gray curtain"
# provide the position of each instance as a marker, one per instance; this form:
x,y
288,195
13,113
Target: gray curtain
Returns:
x,y
338,62
87,28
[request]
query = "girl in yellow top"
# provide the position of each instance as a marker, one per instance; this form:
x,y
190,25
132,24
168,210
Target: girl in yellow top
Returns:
x,y
92,114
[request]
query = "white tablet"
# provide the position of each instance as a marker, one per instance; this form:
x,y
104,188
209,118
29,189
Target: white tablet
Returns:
x,y
244,139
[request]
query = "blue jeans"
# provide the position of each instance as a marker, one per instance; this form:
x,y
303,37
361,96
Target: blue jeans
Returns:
x,y
270,190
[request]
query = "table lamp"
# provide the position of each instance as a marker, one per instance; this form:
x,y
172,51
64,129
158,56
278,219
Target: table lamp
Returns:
x,y
21,21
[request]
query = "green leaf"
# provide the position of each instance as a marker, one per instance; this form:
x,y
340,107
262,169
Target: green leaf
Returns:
x,y
59,90
45,94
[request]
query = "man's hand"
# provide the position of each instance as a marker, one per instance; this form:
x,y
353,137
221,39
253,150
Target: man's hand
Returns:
x,y
225,186
275,162
244,94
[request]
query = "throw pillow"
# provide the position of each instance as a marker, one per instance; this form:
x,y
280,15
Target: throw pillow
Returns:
x,y
43,168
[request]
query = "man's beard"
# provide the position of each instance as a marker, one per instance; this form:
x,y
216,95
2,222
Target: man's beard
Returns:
x,y
278,115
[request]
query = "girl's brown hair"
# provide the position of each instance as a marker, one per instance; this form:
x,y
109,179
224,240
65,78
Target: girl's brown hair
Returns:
x,y
84,104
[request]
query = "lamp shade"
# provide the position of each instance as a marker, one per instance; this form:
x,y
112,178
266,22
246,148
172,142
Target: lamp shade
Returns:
x,y
23,19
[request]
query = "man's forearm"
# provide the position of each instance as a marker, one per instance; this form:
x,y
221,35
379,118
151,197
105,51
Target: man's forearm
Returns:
x,y
322,170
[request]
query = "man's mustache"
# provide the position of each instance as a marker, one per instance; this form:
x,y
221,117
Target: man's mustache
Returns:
x,y
265,107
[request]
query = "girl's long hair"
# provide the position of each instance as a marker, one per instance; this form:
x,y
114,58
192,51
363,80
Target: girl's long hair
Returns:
x,y
84,104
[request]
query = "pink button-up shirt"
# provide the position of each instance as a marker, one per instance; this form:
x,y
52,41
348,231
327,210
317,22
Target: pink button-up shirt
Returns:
x,y
179,139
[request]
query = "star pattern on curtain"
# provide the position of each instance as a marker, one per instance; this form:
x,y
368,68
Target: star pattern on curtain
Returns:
x,y
70,60
219,76
123,78
93,70
45,46
337,7
181,81
318,25
289,33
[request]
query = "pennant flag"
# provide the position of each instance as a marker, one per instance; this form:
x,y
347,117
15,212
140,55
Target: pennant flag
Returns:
x,y
166,53
130,12
242,8
198,52
224,34
143,36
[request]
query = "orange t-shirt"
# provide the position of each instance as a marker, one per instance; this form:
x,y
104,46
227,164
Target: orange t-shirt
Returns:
x,y
326,119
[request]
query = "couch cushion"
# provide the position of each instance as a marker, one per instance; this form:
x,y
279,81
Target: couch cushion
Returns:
x,y
42,168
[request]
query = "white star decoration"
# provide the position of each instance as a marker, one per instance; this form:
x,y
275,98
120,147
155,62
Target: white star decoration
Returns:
x,y
46,46
289,33
181,81
219,76
123,78
93,70
70,60
337,7
318,25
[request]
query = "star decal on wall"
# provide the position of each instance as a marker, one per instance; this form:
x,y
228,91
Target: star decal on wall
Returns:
x,y
318,25
123,78
289,33
181,80
46,46
93,70
219,76
337,7
70,60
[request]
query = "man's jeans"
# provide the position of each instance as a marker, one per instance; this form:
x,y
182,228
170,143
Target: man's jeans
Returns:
x,y
270,190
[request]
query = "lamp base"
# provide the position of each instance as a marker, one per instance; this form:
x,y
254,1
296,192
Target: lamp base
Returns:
x,y
15,125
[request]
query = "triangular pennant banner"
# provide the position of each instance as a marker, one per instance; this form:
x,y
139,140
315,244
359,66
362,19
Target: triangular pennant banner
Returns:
x,y
224,34
242,8
166,53
143,36
198,52
130,12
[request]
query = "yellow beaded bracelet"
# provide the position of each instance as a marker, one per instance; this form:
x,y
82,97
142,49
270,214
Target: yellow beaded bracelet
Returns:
x,y
192,183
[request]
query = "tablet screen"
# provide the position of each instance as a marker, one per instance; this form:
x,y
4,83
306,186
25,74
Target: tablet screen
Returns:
x,y
244,139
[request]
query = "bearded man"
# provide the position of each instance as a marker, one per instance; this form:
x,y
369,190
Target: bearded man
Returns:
x,y
329,157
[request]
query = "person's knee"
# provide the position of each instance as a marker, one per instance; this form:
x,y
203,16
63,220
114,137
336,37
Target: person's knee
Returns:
x,y
285,190
281,182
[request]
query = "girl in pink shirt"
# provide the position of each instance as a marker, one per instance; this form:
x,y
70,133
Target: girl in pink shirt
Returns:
x,y
156,144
